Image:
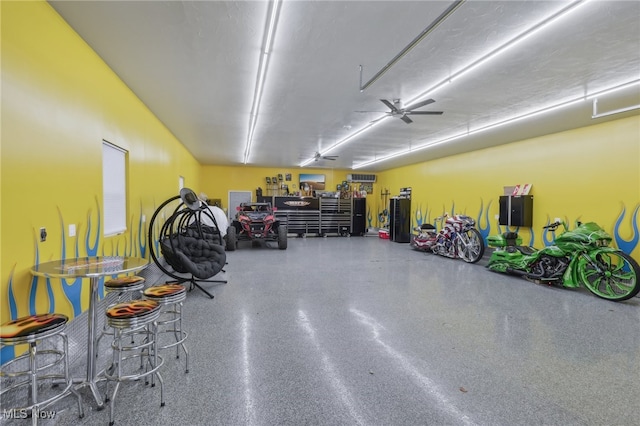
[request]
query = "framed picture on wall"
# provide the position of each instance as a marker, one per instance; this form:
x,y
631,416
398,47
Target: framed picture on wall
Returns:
x,y
367,187
288,177
312,181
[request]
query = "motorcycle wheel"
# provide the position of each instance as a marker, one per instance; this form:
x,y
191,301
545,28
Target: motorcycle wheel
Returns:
x,y
470,245
617,278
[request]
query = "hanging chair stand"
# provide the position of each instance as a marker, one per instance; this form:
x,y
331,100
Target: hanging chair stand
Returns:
x,y
188,245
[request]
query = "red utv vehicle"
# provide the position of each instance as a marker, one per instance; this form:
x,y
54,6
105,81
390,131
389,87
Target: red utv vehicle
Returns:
x,y
256,222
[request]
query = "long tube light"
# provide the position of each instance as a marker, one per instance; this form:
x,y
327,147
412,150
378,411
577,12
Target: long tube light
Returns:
x,y
347,139
262,75
502,48
473,65
499,124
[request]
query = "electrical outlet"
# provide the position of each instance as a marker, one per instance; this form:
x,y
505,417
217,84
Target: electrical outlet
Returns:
x,y
496,217
72,230
144,218
43,234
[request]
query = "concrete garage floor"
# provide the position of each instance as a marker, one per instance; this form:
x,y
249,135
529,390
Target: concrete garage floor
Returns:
x,y
363,331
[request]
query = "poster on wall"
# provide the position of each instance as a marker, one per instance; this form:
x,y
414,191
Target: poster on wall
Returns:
x,y
521,189
311,182
368,187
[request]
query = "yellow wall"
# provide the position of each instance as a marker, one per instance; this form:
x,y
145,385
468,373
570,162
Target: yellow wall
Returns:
x,y
590,174
59,101
217,181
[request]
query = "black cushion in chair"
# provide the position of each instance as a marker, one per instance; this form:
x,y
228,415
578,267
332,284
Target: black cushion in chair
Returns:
x,y
201,257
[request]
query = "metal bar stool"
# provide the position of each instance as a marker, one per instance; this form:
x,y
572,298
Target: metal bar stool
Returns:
x,y
137,317
33,330
123,286
171,296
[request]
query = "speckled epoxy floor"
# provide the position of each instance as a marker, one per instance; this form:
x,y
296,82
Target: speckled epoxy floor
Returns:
x,y
362,331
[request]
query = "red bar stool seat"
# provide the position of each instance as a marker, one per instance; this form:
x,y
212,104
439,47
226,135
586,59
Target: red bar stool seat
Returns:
x,y
44,364
171,297
126,285
130,319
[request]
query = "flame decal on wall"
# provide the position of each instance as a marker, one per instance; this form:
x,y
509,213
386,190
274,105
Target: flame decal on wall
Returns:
x,y
627,246
33,287
92,250
369,217
484,230
8,352
72,288
422,217
13,307
142,235
418,216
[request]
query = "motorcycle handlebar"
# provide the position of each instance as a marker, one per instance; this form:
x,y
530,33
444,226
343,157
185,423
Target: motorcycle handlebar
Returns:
x,y
552,226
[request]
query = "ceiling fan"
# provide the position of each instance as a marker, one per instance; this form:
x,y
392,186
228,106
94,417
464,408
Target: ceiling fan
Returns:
x,y
397,109
318,157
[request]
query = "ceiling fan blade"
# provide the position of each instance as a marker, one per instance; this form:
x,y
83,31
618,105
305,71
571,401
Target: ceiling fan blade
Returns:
x,y
420,104
329,158
390,105
406,119
424,112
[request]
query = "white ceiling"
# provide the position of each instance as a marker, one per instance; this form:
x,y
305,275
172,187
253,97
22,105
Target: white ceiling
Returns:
x,y
195,64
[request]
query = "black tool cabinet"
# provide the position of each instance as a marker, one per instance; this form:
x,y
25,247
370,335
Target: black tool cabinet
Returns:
x,y
400,220
516,210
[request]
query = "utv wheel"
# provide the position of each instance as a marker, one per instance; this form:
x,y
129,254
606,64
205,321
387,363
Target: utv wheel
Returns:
x,y
232,240
282,237
470,245
614,276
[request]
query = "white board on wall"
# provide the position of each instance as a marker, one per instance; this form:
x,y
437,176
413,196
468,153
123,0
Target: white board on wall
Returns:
x,y
114,179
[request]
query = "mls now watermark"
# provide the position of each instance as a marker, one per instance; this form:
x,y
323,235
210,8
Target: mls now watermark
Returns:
x,y
23,413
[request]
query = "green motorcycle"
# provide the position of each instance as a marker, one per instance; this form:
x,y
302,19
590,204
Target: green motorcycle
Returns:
x,y
578,257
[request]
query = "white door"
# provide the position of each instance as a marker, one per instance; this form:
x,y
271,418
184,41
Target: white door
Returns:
x,y
235,199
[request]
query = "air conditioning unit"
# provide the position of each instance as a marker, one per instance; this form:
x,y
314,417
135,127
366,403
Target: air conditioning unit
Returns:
x,y
361,178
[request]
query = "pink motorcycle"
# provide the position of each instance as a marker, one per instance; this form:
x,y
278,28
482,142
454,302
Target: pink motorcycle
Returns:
x,y
458,238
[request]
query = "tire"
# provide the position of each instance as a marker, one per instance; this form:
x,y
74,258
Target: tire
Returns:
x,y
470,245
616,279
232,240
282,237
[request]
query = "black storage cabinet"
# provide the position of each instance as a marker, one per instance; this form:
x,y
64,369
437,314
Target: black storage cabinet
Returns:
x,y
516,210
358,223
400,220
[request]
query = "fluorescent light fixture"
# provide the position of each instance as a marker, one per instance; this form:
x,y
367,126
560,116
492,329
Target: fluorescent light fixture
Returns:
x,y
564,11
496,124
381,159
262,75
347,139
502,48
